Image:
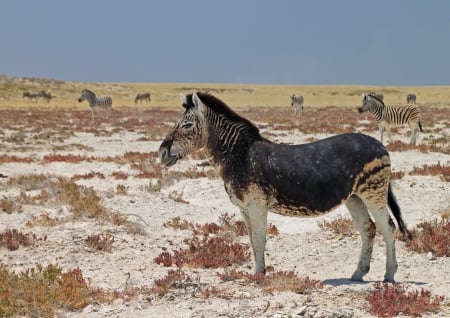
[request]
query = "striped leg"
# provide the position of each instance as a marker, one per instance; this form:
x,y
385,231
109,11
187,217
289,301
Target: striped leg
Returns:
x,y
366,228
387,228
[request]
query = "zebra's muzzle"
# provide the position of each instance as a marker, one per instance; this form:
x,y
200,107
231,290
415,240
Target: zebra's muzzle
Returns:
x,y
167,159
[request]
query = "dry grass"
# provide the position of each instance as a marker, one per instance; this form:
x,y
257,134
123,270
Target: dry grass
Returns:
x,y
240,95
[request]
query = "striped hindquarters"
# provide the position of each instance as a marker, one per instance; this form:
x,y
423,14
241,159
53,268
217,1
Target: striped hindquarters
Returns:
x,y
400,115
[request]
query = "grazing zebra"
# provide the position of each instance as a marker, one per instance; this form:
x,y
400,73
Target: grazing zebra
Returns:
x,y
46,95
411,99
142,97
95,102
297,103
30,95
388,116
297,180
41,94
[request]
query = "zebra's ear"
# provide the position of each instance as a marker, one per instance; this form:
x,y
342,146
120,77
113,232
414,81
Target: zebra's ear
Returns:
x,y
183,99
198,104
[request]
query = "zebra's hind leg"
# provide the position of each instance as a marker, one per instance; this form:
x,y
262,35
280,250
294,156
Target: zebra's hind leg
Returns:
x,y
387,228
413,127
366,228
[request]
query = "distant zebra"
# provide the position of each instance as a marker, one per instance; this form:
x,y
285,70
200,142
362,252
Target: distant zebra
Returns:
x,y
46,95
142,97
297,103
41,94
411,99
95,102
388,116
30,95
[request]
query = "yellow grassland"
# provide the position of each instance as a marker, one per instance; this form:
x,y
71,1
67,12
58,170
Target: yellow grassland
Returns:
x,y
236,95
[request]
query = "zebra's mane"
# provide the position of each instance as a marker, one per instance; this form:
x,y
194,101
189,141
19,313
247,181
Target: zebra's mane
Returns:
x,y
89,91
220,108
375,97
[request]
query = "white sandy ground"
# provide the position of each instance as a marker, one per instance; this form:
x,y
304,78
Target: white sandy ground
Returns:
x,y
301,246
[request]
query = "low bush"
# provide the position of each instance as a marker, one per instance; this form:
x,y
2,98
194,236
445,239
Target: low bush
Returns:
x,y
388,300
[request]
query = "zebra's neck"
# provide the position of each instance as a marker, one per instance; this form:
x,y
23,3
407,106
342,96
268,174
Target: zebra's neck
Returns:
x,y
229,140
377,108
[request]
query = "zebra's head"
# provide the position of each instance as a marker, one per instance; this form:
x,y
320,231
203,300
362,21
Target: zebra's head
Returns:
x,y
86,95
368,101
188,134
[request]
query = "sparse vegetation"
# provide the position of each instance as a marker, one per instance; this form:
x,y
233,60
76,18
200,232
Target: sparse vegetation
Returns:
x,y
389,300
40,291
275,281
38,137
100,242
13,239
340,226
431,237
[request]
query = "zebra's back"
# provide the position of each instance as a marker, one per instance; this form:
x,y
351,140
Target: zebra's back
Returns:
x,y
401,114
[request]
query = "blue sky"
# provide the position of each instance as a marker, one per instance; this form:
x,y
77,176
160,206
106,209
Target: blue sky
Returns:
x,y
396,42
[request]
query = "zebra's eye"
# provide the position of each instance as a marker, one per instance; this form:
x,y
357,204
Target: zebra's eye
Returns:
x,y
187,125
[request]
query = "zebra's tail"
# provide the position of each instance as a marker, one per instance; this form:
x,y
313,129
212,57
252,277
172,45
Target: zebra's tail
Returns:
x,y
420,126
395,209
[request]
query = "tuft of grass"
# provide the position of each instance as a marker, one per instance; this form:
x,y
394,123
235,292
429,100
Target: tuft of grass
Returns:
x,y
178,224
431,237
388,300
41,291
13,239
174,279
84,201
44,219
100,242
342,227
211,245
206,252
9,206
275,281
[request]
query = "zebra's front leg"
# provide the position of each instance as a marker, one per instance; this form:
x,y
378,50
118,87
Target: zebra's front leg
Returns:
x,y
256,220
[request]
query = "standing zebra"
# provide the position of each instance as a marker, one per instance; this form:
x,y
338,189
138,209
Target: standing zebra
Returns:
x,y
411,99
142,97
95,102
387,116
377,95
297,103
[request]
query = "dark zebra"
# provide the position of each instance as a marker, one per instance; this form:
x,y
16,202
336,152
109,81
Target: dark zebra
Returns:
x,y
140,97
47,96
297,103
297,180
95,102
411,99
390,116
31,95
